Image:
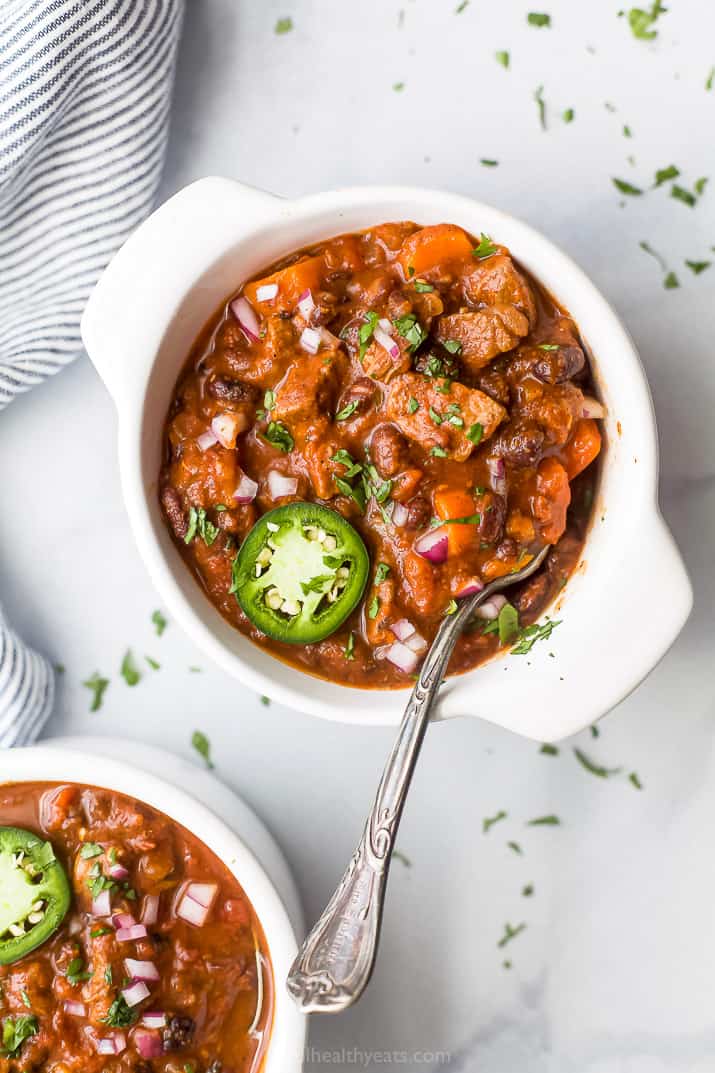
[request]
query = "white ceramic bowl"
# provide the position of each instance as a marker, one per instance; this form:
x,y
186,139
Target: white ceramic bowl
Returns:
x,y
57,764
630,596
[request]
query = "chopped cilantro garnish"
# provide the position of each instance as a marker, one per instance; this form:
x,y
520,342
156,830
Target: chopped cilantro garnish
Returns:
x,y
347,411
653,253
633,778
98,686
413,405
671,282
438,452
531,634
410,329
128,670
202,745
436,418
349,650
366,331
486,248
549,750
284,26
541,106
568,115
76,972
159,622
489,821
25,999
548,346
15,1031
90,850
120,1015
269,399
515,848
475,433
710,81
487,163
506,624
594,768
452,346
279,436
381,573
627,188
698,266
422,287
153,663
398,86
374,607
536,18
700,185
510,933
627,133
502,57
544,821
266,702
451,608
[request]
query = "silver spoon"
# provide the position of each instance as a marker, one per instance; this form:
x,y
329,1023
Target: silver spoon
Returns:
x,y
335,962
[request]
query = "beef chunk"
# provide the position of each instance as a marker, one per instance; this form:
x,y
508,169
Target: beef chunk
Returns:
x,y
497,282
310,386
414,402
483,334
380,364
555,366
171,502
389,450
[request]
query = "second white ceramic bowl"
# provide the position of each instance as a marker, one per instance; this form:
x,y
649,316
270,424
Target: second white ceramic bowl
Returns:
x,y
173,274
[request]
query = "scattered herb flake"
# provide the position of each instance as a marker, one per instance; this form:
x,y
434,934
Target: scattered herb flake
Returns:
x,y
593,767
279,436
531,634
153,663
663,175
642,21
398,86
413,405
349,650
536,18
700,185
159,622
128,670
486,248
541,106
502,57
527,891
627,133
402,858
410,329
374,607
423,287
568,115
633,778
15,1031
381,573
627,188
98,686
90,850
595,732
544,821
461,7
438,452
120,1015
486,163
710,81
549,750
671,282
653,253
202,745
284,26
365,333
516,848
266,701
698,266
489,821
510,933
681,194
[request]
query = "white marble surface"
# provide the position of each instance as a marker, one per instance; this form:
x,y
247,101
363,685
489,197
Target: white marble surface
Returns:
x,y
614,971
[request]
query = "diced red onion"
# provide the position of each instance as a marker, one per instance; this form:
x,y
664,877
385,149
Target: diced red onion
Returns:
x,y
150,909
267,292
153,1019
380,651
192,912
470,588
385,324
433,545
246,491
306,305
400,514
387,342
497,472
279,485
245,314
131,934
226,428
149,1044
310,340
402,629
75,1009
113,1044
141,970
417,643
207,439
402,657
491,607
118,871
203,893
101,905
135,993
592,408
123,920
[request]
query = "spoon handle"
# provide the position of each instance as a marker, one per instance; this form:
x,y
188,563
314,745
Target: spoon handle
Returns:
x,y
336,960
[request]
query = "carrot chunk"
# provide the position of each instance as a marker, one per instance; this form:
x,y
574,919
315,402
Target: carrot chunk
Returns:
x,y
431,246
292,281
453,503
553,495
582,448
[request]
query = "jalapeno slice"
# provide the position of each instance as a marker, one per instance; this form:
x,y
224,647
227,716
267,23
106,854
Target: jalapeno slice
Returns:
x,y
34,893
300,572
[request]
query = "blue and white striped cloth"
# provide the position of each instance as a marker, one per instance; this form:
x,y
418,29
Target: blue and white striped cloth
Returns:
x,y
85,93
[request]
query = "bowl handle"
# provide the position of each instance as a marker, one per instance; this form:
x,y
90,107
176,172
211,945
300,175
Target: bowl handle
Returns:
x,y
144,283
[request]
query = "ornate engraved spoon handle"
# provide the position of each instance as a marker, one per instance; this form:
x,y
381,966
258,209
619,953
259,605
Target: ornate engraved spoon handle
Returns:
x,y
335,962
